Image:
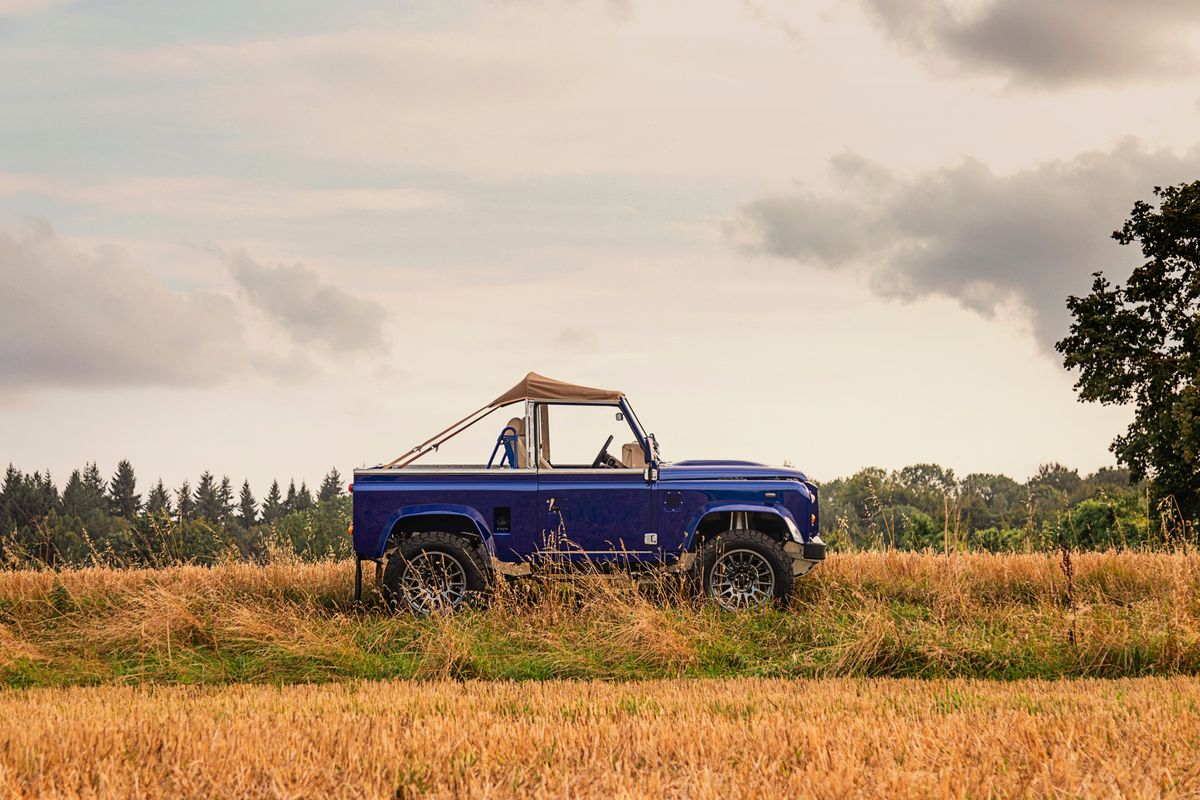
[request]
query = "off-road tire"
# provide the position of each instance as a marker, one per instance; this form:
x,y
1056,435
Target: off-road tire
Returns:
x,y
420,548
771,550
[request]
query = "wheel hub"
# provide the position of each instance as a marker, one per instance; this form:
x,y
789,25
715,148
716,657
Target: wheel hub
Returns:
x,y
742,579
433,582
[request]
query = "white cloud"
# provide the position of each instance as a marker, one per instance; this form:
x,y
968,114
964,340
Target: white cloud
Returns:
x,y
70,317
1052,42
310,310
966,232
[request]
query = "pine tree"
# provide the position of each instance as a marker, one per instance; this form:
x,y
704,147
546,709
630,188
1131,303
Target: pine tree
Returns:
x,y
73,499
289,505
158,502
25,500
95,491
272,508
123,501
8,497
247,512
12,482
304,498
19,501
45,494
84,492
225,499
183,502
331,487
208,500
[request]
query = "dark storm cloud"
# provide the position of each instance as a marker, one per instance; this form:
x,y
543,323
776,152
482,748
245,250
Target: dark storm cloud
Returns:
x,y
71,317
965,232
309,310
1052,42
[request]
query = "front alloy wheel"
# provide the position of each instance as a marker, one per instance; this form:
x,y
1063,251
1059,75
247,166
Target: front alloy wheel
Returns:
x,y
744,569
741,579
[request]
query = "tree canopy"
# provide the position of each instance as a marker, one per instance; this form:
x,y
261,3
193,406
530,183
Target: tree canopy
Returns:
x,y
1139,344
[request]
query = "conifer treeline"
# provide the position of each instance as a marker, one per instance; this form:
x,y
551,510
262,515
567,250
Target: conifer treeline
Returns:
x,y
95,520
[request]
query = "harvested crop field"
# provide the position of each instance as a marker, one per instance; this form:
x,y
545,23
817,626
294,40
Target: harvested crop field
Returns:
x,y
1124,614
679,738
892,674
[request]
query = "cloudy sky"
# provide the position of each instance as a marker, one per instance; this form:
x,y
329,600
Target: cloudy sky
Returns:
x,y
269,238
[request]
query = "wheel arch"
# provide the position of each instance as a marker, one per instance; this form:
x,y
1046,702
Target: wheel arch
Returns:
x,y
714,518
443,517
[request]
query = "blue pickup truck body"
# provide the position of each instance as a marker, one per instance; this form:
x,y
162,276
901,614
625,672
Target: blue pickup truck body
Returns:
x,y
606,514
656,514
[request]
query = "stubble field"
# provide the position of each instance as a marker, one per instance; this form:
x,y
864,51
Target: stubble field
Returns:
x,y
707,738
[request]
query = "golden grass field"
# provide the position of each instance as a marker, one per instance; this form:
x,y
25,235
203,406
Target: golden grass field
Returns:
x,y
858,615
899,674
707,738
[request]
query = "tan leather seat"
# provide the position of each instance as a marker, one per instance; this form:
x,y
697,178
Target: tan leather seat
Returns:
x,y
518,425
633,456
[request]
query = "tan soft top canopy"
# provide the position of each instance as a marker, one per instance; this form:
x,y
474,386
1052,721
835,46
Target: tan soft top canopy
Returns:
x,y
531,387
539,387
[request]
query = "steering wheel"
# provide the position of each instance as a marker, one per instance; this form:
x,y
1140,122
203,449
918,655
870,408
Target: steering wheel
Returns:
x,y
603,455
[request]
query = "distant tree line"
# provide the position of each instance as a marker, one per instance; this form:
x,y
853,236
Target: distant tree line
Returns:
x,y
98,521
926,506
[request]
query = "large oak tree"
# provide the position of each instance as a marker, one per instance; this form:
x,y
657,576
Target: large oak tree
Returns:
x,y
1139,344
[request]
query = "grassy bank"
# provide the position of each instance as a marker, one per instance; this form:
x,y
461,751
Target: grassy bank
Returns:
x,y
863,614
727,738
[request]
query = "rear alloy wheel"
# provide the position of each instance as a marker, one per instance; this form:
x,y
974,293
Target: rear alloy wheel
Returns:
x,y
433,573
744,570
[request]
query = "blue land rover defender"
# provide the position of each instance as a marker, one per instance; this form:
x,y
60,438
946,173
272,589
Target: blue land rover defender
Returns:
x,y
440,534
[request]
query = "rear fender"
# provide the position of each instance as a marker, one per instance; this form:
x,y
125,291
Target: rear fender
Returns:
x,y
471,519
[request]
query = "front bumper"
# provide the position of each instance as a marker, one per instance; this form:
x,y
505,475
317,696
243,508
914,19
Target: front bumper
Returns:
x,y
805,555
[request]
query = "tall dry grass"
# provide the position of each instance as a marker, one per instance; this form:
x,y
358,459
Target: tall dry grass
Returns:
x,y
860,614
731,738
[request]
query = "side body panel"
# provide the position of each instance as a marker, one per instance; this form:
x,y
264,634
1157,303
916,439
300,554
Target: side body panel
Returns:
x,y
382,497
597,515
606,514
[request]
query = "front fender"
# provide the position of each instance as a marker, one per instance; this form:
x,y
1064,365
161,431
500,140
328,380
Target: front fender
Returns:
x,y
430,509
720,507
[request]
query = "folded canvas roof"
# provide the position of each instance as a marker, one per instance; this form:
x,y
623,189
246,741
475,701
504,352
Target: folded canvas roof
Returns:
x,y
539,387
531,387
